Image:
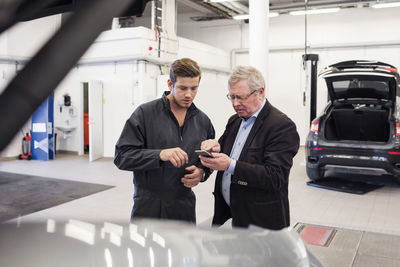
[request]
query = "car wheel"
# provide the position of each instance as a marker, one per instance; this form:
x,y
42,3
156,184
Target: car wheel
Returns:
x,y
397,178
315,173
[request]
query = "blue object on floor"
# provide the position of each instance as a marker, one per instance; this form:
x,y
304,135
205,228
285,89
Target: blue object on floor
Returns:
x,y
43,130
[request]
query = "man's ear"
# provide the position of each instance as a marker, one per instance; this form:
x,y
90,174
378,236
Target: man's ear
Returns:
x,y
170,84
261,91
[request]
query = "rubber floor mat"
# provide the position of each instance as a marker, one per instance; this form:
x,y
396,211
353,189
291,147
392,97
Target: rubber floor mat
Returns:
x,y
341,185
24,194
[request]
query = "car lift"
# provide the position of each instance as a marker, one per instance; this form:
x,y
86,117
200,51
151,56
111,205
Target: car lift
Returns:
x,y
313,58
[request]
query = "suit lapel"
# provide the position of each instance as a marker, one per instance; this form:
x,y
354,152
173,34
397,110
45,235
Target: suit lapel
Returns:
x,y
230,140
227,148
256,127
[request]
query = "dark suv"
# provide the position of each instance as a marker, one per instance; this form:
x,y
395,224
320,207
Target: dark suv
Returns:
x,y
359,130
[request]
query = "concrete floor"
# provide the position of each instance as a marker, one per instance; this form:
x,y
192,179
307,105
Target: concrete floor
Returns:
x,y
359,249
368,225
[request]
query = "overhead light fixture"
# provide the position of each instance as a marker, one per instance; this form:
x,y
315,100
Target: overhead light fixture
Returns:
x,y
314,11
273,14
385,5
241,17
247,16
219,1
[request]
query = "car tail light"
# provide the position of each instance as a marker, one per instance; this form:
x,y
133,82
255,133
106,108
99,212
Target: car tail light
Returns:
x,y
391,69
397,128
394,153
315,125
317,148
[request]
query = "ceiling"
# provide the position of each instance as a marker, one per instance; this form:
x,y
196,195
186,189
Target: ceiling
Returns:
x,y
208,10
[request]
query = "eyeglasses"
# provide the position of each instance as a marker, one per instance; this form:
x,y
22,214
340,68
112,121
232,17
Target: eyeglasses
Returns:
x,y
239,98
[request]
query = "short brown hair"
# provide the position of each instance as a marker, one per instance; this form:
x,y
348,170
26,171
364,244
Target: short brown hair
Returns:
x,y
184,67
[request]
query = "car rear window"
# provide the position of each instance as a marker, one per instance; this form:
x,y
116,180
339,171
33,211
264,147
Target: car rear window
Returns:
x,y
358,88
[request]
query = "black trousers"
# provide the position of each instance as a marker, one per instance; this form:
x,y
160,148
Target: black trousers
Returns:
x,y
149,204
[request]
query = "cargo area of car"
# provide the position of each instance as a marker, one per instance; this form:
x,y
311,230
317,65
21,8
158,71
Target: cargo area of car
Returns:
x,y
358,122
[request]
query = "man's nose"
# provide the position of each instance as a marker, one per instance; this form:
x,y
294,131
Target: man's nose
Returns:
x,y
188,94
235,101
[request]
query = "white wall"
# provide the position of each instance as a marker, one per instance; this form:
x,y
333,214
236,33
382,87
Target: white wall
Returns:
x,y
211,99
20,42
363,33
353,25
25,38
118,89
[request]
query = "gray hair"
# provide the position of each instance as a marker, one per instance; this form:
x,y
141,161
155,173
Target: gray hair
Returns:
x,y
255,80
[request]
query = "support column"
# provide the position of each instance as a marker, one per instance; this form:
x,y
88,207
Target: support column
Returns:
x,y
258,37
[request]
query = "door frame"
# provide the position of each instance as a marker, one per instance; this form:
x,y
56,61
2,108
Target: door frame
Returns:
x,y
96,111
81,121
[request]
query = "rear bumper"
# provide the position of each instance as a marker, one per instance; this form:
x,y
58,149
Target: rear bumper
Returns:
x,y
376,164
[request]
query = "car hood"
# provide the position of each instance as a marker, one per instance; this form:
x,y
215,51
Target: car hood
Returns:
x,y
361,85
147,243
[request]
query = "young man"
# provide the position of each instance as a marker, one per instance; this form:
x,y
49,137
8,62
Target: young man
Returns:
x,y
158,144
252,183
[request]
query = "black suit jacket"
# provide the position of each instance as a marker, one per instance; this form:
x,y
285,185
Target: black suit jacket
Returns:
x,y
259,188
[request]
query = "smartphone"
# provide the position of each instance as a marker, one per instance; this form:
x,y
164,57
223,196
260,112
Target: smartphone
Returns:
x,y
203,153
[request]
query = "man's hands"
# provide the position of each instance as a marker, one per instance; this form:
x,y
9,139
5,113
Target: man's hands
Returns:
x,y
175,155
220,161
211,145
193,178
178,158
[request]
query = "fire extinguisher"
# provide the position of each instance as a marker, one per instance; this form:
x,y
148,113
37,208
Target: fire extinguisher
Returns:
x,y
26,147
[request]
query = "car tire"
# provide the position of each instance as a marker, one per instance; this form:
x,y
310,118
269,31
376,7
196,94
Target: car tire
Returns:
x,y
397,178
315,173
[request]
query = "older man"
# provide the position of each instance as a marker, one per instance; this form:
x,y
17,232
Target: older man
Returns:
x,y
253,156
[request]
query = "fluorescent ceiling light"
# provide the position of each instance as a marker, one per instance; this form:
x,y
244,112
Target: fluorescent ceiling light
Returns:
x,y
384,5
273,14
247,16
240,17
219,1
314,11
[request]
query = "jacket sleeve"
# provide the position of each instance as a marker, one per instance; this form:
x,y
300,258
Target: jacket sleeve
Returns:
x,y
130,151
268,167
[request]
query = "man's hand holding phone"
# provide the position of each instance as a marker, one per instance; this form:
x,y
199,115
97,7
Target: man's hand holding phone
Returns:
x,y
218,161
210,145
204,153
